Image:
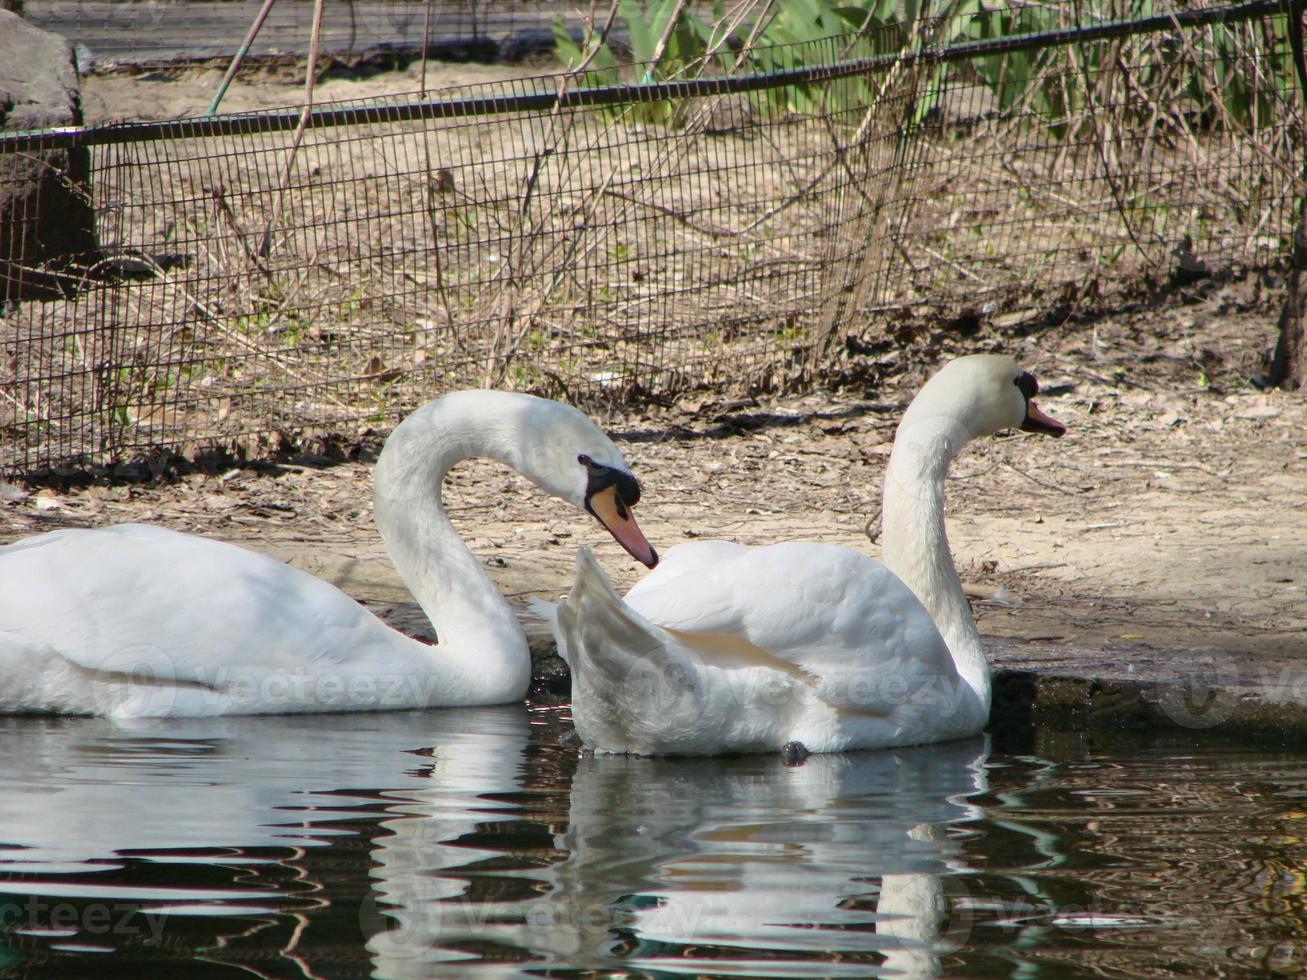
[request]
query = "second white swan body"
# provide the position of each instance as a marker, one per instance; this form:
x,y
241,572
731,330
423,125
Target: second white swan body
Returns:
x,y
731,649
139,621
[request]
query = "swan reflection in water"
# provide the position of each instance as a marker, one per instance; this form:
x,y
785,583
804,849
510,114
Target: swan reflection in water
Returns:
x,y
84,789
477,859
841,865
736,856
84,798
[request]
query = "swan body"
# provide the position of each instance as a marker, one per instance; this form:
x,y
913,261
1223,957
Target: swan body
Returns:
x,y
140,621
730,649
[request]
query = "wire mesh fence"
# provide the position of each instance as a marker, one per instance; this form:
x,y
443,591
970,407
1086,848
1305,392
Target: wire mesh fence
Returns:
x,y
606,239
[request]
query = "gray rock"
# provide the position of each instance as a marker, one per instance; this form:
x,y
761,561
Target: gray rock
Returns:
x,y
47,223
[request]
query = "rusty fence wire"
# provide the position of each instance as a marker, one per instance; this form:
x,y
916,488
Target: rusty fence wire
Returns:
x,y
607,240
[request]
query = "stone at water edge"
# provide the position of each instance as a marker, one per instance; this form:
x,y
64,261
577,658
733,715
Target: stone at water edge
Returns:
x,y
47,224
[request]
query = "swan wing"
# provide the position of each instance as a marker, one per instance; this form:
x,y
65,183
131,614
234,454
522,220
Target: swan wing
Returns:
x,y
629,691
688,559
134,600
824,609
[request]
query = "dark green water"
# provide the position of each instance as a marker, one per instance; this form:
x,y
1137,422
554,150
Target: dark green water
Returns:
x,y
467,843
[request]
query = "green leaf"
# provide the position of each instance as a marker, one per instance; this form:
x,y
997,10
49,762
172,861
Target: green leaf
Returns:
x,y
642,38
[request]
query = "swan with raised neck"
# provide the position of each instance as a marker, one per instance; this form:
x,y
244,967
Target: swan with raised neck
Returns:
x,y
803,646
962,402
141,621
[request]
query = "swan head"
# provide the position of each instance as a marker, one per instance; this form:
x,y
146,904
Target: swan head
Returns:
x,y
553,445
984,393
610,493
571,458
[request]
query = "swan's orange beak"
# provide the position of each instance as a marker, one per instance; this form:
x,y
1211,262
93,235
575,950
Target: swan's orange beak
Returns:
x,y
1037,421
617,517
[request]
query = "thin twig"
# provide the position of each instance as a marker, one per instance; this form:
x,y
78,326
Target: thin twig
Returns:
x,y
1038,482
661,46
310,78
873,528
953,265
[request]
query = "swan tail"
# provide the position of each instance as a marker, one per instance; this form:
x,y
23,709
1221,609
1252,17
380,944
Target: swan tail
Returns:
x,y
600,631
547,613
635,686
543,610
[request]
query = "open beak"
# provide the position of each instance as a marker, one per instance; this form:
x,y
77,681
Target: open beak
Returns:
x,y
1037,421
617,517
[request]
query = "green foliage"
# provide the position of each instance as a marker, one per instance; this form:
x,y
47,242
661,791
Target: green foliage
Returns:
x,y
800,21
792,39
1063,86
591,51
687,48
1234,76
1034,80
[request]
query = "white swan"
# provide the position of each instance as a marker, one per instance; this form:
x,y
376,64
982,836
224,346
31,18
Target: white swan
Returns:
x,y
731,649
138,621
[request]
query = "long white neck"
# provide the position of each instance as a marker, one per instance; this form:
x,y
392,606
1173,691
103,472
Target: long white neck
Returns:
x,y
915,544
481,646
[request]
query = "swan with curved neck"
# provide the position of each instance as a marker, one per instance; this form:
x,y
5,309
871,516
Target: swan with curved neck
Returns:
x,y
801,645
140,621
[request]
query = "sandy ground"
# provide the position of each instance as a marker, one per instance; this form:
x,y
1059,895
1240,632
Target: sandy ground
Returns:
x,y
1172,514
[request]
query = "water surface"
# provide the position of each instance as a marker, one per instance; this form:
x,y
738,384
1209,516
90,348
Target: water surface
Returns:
x,y
468,843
